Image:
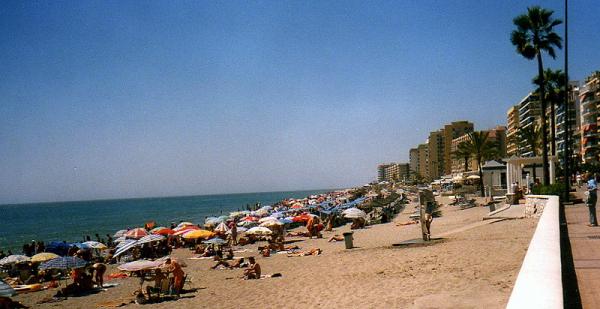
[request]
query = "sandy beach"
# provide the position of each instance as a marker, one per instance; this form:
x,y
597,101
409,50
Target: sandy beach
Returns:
x,y
474,266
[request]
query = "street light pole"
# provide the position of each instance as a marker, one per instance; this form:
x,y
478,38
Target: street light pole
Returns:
x,y
567,152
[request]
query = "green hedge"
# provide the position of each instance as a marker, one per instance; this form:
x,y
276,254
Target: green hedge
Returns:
x,y
553,189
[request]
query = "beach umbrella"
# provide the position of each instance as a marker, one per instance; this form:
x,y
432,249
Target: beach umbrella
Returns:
x,y
198,234
473,177
266,219
95,245
120,233
271,222
185,227
126,247
223,218
6,290
125,243
222,227
141,265
81,245
212,221
259,230
237,214
136,233
249,219
247,224
187,230
302,218
183,224
354,213
297,206
150,238
239,230
215,241
286,220
14,259
163,231
43,257
64,262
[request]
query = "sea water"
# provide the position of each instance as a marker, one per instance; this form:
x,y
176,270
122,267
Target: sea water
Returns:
x,y
72,221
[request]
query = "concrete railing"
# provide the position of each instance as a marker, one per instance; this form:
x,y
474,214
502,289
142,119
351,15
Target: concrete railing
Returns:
x,y
539,283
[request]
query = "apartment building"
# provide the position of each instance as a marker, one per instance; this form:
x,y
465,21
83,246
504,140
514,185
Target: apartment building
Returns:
x,y
589,97
512,138
451,131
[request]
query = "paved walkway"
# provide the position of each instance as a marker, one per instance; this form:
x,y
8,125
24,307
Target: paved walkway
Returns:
x,y
585,247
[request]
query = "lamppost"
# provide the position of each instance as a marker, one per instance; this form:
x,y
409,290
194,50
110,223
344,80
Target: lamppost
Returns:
x,y
567,152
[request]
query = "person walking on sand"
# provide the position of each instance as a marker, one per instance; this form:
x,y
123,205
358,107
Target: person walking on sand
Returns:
x,y
592,197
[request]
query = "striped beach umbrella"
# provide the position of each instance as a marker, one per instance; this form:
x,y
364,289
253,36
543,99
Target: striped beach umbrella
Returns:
x,y
125,248
187,230
6,290
14,259
150,238
64,262
125,242
183,224
136,233
222,227
43,257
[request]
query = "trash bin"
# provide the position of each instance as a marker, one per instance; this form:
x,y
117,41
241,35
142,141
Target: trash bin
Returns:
x,y
492,207
348,240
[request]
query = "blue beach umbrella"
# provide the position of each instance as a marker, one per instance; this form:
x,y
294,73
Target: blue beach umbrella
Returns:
x,y
6,290
64,262
215,241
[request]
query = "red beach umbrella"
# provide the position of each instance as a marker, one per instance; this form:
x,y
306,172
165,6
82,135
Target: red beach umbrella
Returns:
x,y
164,231
186,230
250,219
136,233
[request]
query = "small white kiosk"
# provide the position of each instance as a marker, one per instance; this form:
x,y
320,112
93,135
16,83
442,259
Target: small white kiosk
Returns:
x,y
515,165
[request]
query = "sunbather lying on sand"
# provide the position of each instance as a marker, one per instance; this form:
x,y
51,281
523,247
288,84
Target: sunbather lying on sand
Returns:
x,y
313,251
335,238
407,223
292,234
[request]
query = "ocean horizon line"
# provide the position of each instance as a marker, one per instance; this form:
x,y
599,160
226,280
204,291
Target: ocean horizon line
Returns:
x,y
159,197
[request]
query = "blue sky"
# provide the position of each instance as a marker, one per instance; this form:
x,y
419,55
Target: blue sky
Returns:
x,y
131,99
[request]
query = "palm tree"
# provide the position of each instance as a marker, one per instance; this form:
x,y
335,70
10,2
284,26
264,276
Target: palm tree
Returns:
x,y
533,36
462,153
530,138
555,87
480,148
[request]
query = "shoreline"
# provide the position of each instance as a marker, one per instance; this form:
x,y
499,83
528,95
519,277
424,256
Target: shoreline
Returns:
x,y
197,207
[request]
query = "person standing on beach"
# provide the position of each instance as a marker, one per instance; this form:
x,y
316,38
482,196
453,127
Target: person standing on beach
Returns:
x,y
178,274
233,233
592,197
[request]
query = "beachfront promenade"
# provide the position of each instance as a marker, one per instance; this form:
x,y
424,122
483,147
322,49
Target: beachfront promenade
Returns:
x,y
585,248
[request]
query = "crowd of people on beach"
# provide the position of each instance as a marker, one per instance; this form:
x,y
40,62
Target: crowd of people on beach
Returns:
x,y
220,236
